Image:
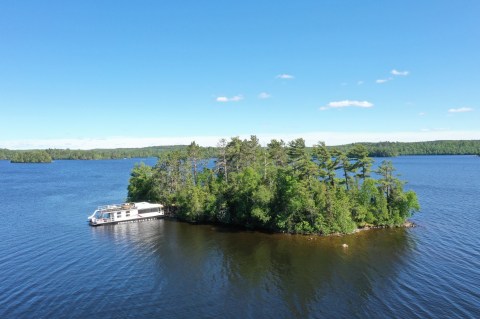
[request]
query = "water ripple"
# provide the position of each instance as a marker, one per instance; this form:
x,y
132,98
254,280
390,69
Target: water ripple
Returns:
x,y
54,265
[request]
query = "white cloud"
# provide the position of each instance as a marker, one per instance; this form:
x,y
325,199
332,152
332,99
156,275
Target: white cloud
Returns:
x,y
399,73
331,138
347,103
360,82
264,95
236,98
380,81
460,110
285,76
422,114
224,99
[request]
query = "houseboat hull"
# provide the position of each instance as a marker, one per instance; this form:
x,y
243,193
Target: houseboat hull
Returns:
x,y
128,221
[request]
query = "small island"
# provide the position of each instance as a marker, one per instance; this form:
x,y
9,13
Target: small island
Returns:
x,y
36,156
281,188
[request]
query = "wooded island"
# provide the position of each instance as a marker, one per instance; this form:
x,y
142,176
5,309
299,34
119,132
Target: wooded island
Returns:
x,y
36,156
281,187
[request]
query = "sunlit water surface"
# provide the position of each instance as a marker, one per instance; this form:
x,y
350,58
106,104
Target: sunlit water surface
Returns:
x,y
53,265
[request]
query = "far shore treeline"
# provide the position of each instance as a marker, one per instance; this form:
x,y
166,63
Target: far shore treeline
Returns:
x,y
281,187
47,155
381,149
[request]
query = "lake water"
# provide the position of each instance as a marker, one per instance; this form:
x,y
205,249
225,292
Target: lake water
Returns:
x,y
53,265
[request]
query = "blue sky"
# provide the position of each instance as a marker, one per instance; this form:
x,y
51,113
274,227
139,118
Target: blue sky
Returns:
x,y
85,74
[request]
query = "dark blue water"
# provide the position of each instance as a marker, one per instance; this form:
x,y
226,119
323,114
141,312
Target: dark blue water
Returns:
x,y
53,265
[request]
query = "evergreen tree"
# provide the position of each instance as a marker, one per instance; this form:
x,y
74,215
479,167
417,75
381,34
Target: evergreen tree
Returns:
x,y
277,152
193,151
327,163
282,189
221,163
140,185
360,154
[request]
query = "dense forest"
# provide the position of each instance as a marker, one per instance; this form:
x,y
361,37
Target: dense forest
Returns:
x,y
391,149
382,149
31,157
281,187
95,154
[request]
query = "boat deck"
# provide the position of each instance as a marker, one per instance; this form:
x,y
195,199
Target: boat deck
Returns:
x,y
116,207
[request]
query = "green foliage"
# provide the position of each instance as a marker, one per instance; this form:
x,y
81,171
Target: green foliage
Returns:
x,y
140,186
249,150
193,151
283,188
31,157
118,153
391,149
277,153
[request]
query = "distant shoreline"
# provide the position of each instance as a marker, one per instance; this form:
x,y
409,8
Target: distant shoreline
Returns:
x,y
380,149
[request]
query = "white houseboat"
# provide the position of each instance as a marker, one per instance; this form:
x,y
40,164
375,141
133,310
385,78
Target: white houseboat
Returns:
x,y
126,212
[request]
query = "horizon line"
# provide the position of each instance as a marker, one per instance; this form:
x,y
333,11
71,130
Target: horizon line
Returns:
x,y
311,138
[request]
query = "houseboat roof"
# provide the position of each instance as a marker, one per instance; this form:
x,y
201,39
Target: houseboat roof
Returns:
x,y
126,206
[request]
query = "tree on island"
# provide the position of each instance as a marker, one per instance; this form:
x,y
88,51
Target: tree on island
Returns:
x,y
282,188
31,157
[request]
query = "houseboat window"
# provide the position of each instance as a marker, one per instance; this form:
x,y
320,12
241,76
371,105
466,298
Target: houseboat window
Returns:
x,y
127,213
148,210
119,214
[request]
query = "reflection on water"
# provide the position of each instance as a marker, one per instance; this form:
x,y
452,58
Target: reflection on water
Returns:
x,y
298,276
54,265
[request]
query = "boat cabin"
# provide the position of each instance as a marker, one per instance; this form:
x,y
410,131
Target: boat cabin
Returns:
x,y
126,212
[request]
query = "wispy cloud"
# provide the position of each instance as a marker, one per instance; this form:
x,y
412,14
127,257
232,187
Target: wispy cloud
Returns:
x,y
346,103
380,81
460,110
422,114
399,73
224,99
285,76
360,82
264,95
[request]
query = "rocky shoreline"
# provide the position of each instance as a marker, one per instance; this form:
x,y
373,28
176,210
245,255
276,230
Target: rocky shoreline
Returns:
x,y
406,224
